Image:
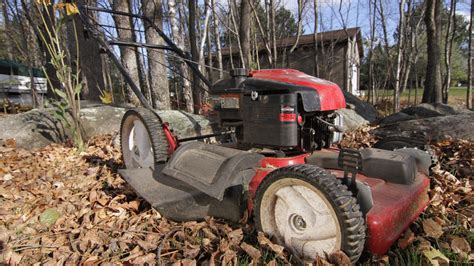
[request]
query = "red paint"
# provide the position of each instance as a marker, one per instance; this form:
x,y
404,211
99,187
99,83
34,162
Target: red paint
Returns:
x,y
395,208
274,162
300,120
287,117
267,165
330,95
173,143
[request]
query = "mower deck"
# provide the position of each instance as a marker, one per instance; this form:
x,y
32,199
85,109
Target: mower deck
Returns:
x,y
395,207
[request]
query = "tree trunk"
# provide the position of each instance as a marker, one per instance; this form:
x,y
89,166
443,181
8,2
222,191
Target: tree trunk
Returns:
x,y
386,42
142,74
128,57
315,39
6,21
202,45
432,91
263,34
182,68
157,71
400,46
217,39
194,54
371,89
300,25
89,58
448,49
244,32
232,7
272,31
471,60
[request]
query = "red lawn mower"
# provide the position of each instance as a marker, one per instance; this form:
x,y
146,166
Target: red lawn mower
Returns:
x,y
277,166
280,169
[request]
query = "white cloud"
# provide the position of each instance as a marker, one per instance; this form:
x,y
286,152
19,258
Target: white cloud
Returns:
x,y
465,13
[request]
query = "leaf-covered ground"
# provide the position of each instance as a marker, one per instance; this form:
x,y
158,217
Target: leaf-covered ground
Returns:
x,y
61,206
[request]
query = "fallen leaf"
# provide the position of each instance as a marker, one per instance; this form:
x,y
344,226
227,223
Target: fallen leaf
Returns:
x,y
236,236
7,177
407,239
435,257
191,252
188,262
146,245
264,241
145,259
432,228
49,217
460,245
339,258
10,143
91,261
251,251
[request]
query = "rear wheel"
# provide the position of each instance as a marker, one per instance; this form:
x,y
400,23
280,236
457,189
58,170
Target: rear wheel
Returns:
x,y
142,139
309,211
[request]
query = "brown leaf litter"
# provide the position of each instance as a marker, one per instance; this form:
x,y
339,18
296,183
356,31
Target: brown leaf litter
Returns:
x,y
58,206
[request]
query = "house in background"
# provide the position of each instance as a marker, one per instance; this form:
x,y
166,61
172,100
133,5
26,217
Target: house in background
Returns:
x,y
339,55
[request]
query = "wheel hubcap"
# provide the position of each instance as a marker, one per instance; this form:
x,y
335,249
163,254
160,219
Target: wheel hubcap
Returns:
x,y
140,149
301,218
297,223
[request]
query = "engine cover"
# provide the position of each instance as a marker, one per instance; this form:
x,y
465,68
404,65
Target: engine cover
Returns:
x,y
275,108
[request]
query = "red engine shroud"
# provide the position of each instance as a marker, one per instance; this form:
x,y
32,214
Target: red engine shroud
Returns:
x,y
330,95
395,206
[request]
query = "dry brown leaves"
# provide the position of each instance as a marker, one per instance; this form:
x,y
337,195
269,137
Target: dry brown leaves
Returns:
x,y
445,230
358,138
58,206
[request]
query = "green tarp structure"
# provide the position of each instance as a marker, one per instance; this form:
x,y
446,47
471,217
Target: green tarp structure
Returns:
x,y
8,67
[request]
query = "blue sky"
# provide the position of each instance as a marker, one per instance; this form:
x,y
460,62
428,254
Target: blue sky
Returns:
x,y
356,13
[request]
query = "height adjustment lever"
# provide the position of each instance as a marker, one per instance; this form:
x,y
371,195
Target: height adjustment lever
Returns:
x,y
350,161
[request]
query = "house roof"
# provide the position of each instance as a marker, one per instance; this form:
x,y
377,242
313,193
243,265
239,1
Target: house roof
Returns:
x,y
327,36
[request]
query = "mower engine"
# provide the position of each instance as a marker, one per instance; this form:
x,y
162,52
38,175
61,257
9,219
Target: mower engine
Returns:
x,y
285,110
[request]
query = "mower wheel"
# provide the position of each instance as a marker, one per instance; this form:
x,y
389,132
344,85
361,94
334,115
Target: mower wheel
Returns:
x,y
142,139
308,210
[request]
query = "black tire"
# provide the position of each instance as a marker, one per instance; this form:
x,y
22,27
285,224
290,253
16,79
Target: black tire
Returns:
x,y
153,125
350,218
395,142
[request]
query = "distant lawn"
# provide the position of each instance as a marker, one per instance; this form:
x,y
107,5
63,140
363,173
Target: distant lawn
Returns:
x,y
457,96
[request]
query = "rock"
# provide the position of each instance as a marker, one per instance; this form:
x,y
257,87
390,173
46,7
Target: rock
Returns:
x,y
394,118
38,128
363,109
460,126
352,119
420,111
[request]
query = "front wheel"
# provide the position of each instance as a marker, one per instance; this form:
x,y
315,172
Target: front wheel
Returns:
x,y
308,210
142,139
